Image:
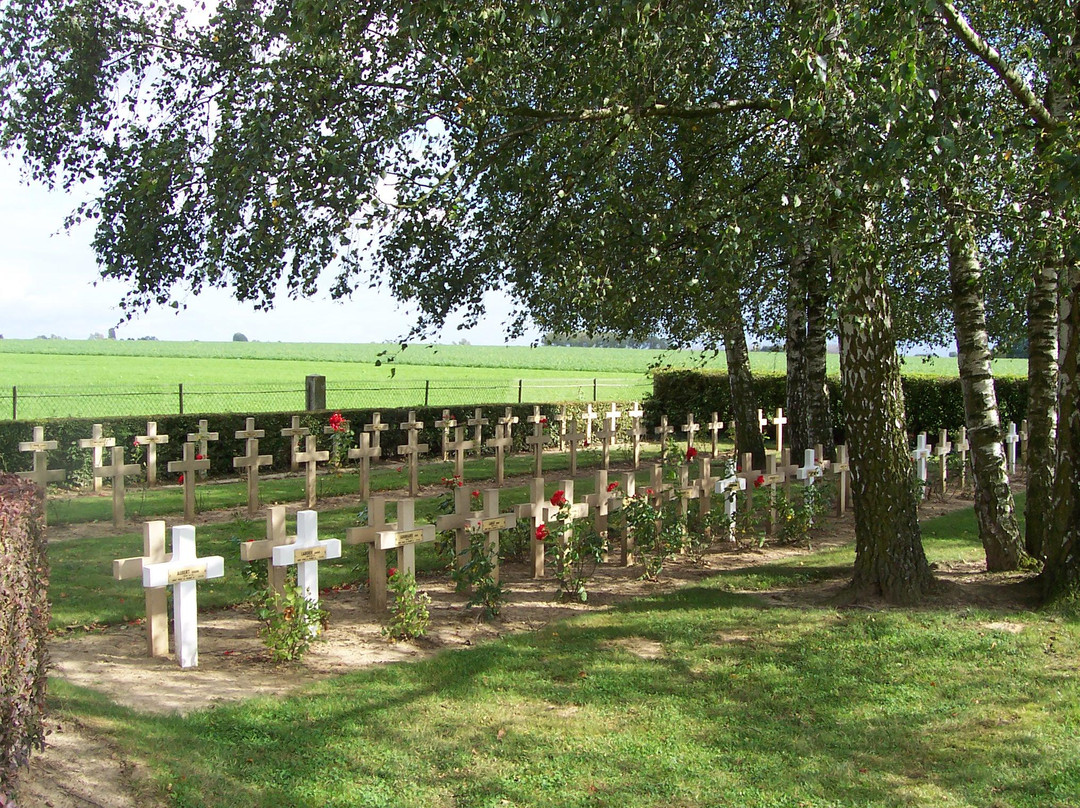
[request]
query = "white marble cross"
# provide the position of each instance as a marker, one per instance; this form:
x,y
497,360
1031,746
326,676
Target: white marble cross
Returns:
x,y
97,442
636,432
306,553
730,488
778,421
151,440
810,470
942,451
1011,439
589,416
920,455
182,572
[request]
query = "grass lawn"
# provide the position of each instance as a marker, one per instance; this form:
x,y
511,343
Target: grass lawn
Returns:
x,y
736,702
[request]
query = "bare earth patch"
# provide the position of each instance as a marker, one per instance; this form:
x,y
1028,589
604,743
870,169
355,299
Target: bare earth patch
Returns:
x,y
80,769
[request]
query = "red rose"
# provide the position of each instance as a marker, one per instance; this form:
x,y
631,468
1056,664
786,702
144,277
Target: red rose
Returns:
x,y
390,573
691,453
336,422
181,479
476,494
199,457
649,491
543,419
558,499
612,486
541,532
760,481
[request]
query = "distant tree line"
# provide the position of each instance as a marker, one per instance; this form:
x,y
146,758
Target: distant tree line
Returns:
x,y
582,339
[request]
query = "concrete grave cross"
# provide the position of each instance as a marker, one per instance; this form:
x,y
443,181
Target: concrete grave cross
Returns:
x,y
203,436
251,461
535,510
368,534
572,438
446,423
157,599
589,416
685,490
962,446
772,477
810,470
715,425
117,472
663,431
636,432
942,451
459,446
604,500
187,468
365,453
478,422
406,536
181,572
611,424
763,420
96,442
537,439
294,433
1024,442
841,469
337,427
920,455
690,429
263,549
1012,437
42,475
501,443
569,511
376,427
412,450
749,475
705,484
492,523
561,420
729,487
306,553
629,491
659,490
151,440
458,522
607,439
309,459
778,421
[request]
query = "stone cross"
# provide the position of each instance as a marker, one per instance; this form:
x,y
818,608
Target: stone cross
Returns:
x,y
535,510
920,455
457,522
603,500
117,472
459,446
405,536
561,421
810,470
478,422
663,431
157,599
636,433
96,442
251,461
962,446
203,436
492,523
772,477
365,453
690,428
572,438
942,450
446,423
1011,439
508,420
151,440
306,553
730,487
841,468
264,548
182,572
705,484
607,440
762,420
589,416
294,433
501,443
629,490
343,426
187,468
375,428
368,534
412,451
661,491
309,459
778,421
577,510
611,419
42,475
1024,442
715,425
685,490
537,439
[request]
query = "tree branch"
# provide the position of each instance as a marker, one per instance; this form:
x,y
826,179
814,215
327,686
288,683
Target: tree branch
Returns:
x,y
993,59
654,111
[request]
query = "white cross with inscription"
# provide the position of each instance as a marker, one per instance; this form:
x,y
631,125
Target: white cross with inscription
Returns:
x,y
306,553
810,469
920,455
151,440
730,488
1011,439
294,433
97,442
182,572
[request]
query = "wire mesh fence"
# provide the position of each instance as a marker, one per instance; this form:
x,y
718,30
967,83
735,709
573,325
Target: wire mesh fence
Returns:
x,y
32,403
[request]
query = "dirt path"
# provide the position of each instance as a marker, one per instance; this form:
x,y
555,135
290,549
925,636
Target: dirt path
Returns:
x,y
79,769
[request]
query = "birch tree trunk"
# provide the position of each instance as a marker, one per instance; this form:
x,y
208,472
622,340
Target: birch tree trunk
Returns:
x,y
1042,401
995,510
798,425
818,409
743,401
889,557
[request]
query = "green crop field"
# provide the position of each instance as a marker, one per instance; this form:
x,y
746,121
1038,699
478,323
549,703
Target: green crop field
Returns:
x,y
76,378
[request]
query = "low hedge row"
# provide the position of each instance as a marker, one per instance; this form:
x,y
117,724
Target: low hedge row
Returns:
x,y
78,462
932,403
24,623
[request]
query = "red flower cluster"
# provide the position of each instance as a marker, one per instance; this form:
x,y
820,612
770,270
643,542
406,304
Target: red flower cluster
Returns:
x,y
691,453
476,494
558,499
541,532
612,486
390,573
649,491
760,481
337,422
199,457
181,480
543,419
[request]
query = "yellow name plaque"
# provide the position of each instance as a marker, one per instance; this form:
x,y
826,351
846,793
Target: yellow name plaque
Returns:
x,y
409,537
309,554
194,572
494,523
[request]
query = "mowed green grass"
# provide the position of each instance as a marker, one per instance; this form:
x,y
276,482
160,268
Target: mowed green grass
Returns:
x,y
705,696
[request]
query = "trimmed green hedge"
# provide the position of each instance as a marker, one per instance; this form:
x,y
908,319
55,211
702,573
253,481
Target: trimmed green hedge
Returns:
x,y
932,403
24,625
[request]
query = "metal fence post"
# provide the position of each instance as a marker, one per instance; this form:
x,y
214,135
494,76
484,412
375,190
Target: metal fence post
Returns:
x,y
315,389
520,383
427,392
181,398
594,390
14,403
